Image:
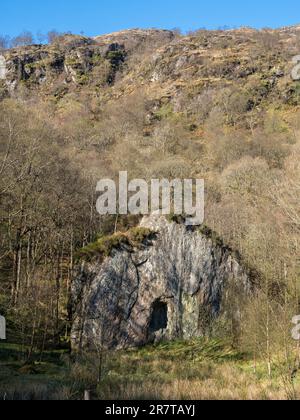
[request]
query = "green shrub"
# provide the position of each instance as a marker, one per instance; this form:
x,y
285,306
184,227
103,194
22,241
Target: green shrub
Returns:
x,y
116,57
83,79
97,59
165,112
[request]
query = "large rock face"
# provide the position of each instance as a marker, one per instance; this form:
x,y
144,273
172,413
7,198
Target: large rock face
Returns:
x,y
70,63
73,60
155,293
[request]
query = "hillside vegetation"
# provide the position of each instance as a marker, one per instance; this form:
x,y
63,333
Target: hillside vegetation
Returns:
x,y
218,105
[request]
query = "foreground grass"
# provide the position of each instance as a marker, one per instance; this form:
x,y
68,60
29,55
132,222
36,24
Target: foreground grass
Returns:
x,y
197,370
39,380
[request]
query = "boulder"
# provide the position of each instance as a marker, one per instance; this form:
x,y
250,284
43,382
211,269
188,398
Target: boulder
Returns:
x,y
155,292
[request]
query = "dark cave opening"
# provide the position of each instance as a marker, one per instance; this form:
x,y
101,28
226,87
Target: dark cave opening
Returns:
x,y
159,318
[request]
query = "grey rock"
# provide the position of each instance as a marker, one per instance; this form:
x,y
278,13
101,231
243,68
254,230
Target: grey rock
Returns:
x,y
2,67
155,293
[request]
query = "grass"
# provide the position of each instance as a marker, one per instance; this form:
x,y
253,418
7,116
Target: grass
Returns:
x,y
104,246
199,369
39,380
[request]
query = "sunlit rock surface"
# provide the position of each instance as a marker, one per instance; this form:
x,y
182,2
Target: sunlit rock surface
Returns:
x,y
155,293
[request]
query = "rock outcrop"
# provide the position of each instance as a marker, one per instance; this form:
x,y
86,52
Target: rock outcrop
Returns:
x,y
71,62
72,59
132,39
155,292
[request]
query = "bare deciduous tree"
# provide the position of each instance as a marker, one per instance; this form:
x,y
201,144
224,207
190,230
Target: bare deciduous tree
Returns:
x,y
25,38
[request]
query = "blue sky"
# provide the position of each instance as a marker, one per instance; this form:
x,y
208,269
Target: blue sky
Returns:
x,y
95,17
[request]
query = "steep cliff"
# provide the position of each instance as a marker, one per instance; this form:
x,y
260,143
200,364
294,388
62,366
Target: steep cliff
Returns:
x,y
154,292
72,61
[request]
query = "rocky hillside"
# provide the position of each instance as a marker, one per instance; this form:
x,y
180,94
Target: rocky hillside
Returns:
x,y
168,65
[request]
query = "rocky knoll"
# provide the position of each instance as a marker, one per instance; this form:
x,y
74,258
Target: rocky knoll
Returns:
x,y
156,291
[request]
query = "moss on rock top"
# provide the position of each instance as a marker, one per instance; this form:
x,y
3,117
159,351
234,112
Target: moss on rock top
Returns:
x,y
104,246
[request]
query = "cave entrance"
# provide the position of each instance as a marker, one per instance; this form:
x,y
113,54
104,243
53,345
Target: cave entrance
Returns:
x,y
159,318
